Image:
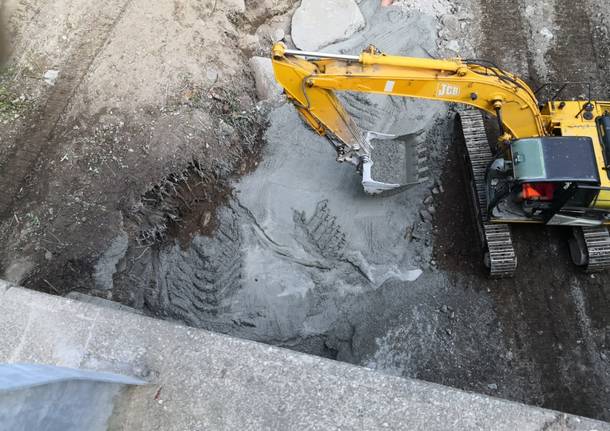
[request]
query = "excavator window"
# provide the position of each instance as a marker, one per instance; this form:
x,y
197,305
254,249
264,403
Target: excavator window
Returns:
x,y
538,191
555,159
582,197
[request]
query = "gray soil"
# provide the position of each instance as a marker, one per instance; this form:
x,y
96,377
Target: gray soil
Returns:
x,y
208,209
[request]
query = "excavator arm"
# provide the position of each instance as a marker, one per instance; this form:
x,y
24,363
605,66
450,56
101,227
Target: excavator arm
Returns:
x,y
310,80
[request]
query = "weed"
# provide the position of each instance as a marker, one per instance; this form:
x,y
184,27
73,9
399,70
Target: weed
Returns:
x,y
11,105
33,219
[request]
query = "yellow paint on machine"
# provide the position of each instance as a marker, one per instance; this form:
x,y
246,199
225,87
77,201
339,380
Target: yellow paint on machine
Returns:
x,y
310,84
565,120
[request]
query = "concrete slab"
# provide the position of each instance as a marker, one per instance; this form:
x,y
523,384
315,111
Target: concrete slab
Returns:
x,y
203,380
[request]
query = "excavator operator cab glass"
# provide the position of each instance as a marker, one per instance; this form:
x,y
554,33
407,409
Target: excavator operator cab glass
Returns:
x,y
554,159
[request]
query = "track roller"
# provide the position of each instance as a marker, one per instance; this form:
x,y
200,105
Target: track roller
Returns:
x,y
590,248
500,257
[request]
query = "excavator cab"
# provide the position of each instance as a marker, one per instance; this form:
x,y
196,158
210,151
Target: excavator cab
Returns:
x,y
554,158
550,179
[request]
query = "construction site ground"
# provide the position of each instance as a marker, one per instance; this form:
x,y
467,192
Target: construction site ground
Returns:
x,y
137,165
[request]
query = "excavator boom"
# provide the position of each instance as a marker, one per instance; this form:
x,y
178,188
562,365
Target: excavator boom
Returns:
x,y
310,80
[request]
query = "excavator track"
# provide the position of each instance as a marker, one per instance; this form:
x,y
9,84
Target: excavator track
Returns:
x,y
597,241
500,255
590,248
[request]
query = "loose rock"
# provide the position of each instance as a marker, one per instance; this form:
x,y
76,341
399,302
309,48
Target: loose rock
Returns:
x,y
453,45
451,23
235,5
266,86
106,266
278,34
426,216
50,76
318,23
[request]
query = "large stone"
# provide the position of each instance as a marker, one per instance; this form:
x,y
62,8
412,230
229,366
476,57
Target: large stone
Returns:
x,y
318,23
266,86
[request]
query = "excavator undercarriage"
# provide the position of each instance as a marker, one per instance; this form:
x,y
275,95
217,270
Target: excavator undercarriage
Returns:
x,y
589,245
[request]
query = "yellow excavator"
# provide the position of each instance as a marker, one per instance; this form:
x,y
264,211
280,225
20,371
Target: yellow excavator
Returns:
x,y
549,164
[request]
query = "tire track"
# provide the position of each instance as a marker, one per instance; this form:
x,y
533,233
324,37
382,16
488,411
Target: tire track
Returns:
x,y
504,38
573,55
17,169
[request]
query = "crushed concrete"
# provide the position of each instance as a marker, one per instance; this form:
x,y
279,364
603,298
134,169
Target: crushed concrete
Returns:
x,y
318,23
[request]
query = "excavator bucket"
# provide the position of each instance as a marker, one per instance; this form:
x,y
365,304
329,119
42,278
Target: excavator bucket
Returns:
x,y
395,163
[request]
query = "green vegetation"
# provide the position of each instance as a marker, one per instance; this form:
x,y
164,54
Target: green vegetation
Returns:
x,y
11,104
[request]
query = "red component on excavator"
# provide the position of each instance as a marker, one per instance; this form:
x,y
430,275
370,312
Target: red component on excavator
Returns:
x,y
538,191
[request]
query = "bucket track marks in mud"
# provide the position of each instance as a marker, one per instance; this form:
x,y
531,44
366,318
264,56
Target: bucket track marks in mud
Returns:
x,y
325,238
322,231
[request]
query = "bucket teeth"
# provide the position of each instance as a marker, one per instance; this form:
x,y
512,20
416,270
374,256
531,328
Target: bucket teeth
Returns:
x,y
422,166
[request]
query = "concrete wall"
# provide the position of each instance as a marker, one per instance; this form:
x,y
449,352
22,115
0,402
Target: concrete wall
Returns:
x,y
202,380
